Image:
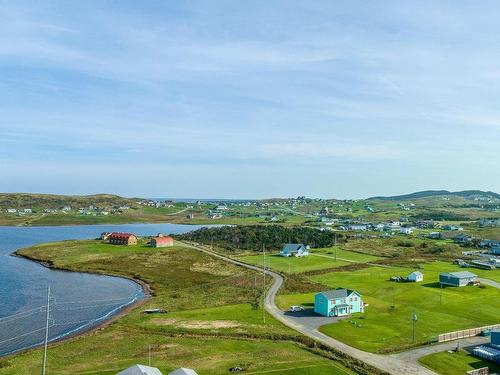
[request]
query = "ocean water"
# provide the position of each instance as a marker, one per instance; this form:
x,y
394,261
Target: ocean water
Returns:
x,y
79,301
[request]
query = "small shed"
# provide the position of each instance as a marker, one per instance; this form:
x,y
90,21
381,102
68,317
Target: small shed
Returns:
x,y
462,278
162,241
416,276
140,370
183,371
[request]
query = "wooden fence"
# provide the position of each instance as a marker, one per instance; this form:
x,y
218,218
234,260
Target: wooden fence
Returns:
x,y
479,371
465,333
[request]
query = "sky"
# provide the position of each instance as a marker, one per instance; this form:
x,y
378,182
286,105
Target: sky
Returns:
x,y
249,99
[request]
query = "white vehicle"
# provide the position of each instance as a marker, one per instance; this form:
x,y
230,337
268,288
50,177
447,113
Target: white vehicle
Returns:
x,y
296,309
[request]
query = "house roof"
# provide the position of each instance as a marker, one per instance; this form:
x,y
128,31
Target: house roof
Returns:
x,y
338,293
292,247
121,235
163,239
183,371
140,370
417,273
459,275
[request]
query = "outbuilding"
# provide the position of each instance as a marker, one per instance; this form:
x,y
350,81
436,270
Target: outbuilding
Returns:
x,y
163,241
462,278
140,370
416,276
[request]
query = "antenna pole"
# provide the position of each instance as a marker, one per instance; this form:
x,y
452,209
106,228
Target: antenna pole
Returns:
x,y
46,333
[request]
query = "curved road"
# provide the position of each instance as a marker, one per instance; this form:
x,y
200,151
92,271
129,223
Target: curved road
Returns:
x,y
396,365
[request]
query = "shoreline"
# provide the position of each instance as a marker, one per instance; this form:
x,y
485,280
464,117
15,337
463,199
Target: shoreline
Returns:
x,y
13,225
148,291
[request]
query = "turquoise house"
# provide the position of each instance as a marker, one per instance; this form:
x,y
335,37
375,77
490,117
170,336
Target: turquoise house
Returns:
x,y
338,302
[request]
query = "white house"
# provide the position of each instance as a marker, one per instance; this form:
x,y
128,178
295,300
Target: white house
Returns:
x,y
416,276
406,230
294,249
183,371
140,370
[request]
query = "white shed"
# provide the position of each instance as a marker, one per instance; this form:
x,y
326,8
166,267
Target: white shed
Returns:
x,y
416,276
140,370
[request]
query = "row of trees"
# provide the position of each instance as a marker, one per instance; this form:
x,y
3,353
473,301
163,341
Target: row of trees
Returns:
x,y
254,237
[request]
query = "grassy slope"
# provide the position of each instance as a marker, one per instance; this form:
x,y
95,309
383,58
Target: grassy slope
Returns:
x,y
446,363
386,324
311,262
206,298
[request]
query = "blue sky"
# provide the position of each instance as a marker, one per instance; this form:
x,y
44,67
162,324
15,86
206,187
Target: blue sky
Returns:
x,y
232,99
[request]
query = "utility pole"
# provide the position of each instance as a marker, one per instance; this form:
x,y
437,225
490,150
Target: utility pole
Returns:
x,y
414,319
264,291
44,364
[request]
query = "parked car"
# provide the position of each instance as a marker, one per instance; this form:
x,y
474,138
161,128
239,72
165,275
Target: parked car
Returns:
x,y
296,308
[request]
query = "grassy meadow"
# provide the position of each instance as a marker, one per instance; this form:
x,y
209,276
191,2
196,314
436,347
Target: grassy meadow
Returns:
x,y
445,363
386,325
212,315
318,259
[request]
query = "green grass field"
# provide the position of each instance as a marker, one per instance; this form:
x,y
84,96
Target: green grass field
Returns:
x,y
445,363
212,322
318,259
386,324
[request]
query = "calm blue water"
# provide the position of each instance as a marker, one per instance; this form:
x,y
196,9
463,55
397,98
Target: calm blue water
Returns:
x,y
79,301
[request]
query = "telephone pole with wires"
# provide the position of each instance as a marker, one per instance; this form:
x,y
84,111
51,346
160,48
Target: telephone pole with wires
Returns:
x,y
44,364
264,290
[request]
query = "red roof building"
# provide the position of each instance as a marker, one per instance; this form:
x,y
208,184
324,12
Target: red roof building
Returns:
x,y
163,241
117,238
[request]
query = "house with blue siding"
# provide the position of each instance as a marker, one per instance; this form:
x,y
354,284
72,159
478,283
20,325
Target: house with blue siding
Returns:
x,y
338,302
495,250
462,278
294,249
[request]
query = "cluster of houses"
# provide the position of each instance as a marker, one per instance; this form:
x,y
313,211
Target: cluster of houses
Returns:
x,y
130,239
89,210
157,203
489,222
148,370
217,212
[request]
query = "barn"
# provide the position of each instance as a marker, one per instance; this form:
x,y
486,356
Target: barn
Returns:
x,y
163,241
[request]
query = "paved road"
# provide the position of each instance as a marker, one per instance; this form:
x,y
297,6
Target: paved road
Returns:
x,y
414,354
490,283
391,364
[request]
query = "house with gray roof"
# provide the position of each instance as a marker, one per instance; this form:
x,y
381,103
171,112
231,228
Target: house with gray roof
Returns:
x,y
140,370
294,249
462,278
183,371
338,302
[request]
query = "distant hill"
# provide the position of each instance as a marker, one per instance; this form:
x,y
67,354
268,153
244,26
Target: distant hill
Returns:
x,y
439,193
29,200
